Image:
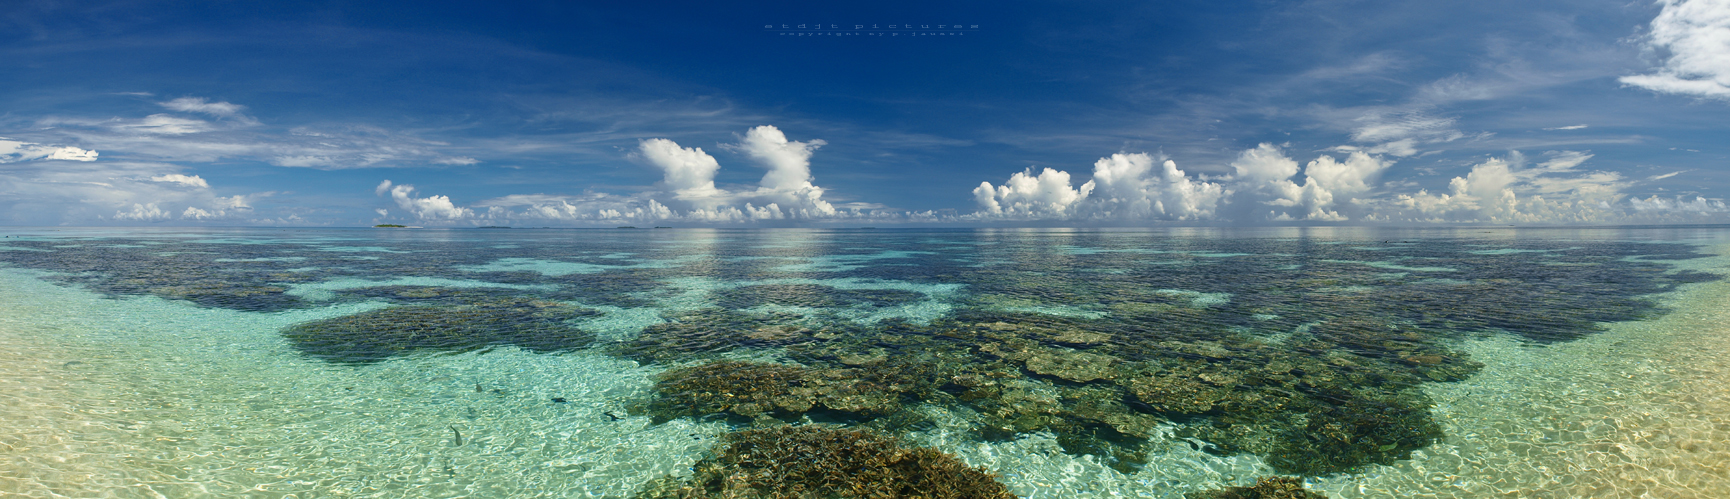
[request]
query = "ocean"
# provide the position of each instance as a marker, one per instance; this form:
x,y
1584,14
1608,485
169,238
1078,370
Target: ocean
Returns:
x,y
1368,362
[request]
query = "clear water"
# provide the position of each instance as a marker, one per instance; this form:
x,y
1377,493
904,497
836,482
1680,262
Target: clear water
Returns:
x,y
273,363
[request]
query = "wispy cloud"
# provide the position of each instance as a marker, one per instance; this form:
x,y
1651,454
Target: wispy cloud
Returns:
x,y
12,151
1693,37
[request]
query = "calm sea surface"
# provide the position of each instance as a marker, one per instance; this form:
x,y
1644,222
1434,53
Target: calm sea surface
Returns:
x,y
1468,362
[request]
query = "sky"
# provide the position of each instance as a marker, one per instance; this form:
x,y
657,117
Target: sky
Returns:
x,y
821,114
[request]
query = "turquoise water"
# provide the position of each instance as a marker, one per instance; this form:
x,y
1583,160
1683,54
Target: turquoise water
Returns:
x,y
423,363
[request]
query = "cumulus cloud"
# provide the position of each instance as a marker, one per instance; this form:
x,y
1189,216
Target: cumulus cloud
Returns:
x,y
1266,185
1680,205
146,212
1504,190
187,180
687,188
688,174
12,151
787,184
436,207
1124,187
687,191
1046,194
1693,37
1128,186
110,191
1265,188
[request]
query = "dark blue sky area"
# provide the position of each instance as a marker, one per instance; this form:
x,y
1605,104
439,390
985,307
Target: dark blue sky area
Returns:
x,y
482,100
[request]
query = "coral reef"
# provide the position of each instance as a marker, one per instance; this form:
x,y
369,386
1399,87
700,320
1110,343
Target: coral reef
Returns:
x,y
824,461
759,390
713,330
1270,487
380,334
810,296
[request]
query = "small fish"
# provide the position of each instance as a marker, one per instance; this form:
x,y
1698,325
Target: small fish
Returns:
x,y
459,439
559,400
610,416
477,387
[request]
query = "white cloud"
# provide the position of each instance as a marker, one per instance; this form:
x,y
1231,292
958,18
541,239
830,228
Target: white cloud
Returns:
x,y
1125,187
145,212
1504,191
1046,194
788,162
1128,187
204,106
1696,205
1694,36
302,161
786,190
1331,186
1399,133
187,180
1561,161
1569,127
686,192
50,192
435,207
456,160
161,124
1266,190
688,173
12,151
180,138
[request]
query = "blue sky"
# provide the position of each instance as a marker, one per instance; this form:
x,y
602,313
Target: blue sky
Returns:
x,y
673,113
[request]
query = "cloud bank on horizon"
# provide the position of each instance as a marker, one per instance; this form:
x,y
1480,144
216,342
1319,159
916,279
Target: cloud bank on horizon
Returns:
x,y
1539,113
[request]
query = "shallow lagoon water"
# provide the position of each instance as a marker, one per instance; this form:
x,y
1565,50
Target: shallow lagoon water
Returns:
x,y
175,379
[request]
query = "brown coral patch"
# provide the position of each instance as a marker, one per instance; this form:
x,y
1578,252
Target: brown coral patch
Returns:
x,y
1269,487
823,461
1080,367
754,390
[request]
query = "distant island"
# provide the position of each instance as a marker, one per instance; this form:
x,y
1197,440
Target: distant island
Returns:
x,y
627,226
392,226
493,227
